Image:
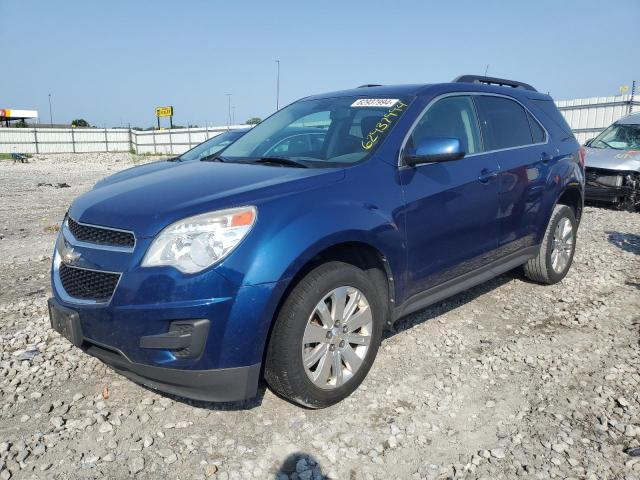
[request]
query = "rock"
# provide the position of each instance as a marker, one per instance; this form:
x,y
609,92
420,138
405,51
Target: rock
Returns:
x,y
168,455
105,427
633,452
302,465
210,470
136,465
147,441
57,422
497,453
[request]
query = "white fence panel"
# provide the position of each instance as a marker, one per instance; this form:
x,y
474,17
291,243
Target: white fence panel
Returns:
x,y
83,140
586,116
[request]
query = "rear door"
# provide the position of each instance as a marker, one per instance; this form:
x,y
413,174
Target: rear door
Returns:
x,y
451,207
520,145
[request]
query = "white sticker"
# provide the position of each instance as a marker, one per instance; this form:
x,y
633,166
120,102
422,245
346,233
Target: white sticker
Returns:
x,y
375,102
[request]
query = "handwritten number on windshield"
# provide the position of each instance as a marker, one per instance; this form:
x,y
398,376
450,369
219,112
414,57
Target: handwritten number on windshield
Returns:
x,y
385,122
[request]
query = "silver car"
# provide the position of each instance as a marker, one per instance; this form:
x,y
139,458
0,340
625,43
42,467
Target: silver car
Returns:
x,y
613,165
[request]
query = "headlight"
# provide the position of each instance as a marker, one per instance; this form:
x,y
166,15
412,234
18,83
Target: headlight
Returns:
x,y
195,243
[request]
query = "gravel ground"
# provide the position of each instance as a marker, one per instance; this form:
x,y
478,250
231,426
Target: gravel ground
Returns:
x,y
508,379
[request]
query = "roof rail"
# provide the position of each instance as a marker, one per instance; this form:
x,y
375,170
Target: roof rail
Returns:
x,y
503,82
367,85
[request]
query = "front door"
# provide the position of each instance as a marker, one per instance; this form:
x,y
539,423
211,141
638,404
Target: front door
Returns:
x,y
451,207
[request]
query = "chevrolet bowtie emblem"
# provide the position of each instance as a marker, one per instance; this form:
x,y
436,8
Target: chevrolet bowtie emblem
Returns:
x,y
69,255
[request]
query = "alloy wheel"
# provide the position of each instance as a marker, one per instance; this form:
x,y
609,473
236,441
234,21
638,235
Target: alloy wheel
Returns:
x,y
337,337
562,245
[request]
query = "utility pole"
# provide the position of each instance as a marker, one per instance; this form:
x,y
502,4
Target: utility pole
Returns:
x,y
486,70
50,112
229,113
278,87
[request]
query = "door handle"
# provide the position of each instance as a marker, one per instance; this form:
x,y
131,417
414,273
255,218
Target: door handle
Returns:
x,y
486,175
546,157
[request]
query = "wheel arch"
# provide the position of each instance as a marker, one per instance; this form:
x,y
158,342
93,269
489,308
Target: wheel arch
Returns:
x,y
354,252
573,197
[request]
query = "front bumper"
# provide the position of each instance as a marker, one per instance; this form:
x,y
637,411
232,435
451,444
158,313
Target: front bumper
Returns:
x,y
615,187
215,385
138,330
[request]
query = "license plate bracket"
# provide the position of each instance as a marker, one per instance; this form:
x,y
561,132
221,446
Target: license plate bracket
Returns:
x,y
66,322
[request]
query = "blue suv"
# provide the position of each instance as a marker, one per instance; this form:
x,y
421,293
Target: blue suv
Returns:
x,y
286,255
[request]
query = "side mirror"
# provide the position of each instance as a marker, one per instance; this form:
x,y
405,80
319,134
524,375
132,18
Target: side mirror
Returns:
x,y
588,142
434,149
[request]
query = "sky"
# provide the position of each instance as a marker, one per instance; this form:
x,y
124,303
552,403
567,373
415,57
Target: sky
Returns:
x,y
112,62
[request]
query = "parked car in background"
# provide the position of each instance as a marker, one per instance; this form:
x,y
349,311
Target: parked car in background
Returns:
x,y
208,148
287,254
613,165
212,145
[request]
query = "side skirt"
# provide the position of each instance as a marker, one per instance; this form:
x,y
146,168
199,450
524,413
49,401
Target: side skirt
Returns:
x,y
464,282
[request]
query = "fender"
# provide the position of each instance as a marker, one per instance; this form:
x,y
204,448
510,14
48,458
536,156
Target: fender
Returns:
x,y
289,247
282,255
565,176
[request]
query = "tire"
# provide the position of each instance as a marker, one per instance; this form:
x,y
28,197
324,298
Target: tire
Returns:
x,y
302,328
546,268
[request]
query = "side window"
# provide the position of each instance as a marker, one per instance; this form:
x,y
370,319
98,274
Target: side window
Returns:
x,y
537,132
503,122
449,117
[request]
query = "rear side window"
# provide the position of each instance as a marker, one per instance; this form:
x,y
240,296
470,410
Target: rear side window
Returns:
x,y
503,122
551,111
537,132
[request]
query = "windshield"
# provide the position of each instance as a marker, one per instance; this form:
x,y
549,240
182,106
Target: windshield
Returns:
x,y
321,133
211,146
619,137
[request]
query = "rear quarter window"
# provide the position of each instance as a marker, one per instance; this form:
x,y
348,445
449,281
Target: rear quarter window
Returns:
x,y
537,132
551,112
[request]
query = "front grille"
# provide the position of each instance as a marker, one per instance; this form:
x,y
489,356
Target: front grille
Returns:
x,y
100,235
88,284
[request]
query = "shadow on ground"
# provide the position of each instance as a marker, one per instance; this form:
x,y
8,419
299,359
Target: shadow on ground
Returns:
x,y
451,303
300,466
248,404
629,242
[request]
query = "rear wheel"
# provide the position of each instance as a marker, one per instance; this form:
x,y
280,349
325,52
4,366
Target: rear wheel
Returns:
x,y
326,336
556,251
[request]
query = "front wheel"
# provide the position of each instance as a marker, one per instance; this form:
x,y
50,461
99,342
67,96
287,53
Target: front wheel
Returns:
x,y
556,251
326,336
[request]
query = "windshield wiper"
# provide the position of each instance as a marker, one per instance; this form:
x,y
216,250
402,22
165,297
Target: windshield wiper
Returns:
x,y
287,162
214,157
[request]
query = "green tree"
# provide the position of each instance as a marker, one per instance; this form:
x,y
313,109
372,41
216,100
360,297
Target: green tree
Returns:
x,y
20,124
253,121
80,122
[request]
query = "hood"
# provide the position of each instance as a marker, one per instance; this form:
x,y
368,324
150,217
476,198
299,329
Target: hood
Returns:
x,y
148,202
135,171
612,159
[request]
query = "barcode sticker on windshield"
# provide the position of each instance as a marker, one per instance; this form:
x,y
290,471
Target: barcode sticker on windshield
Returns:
x,y
375,102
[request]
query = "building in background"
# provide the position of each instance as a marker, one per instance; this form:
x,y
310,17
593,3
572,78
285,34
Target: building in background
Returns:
x,y
8,115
